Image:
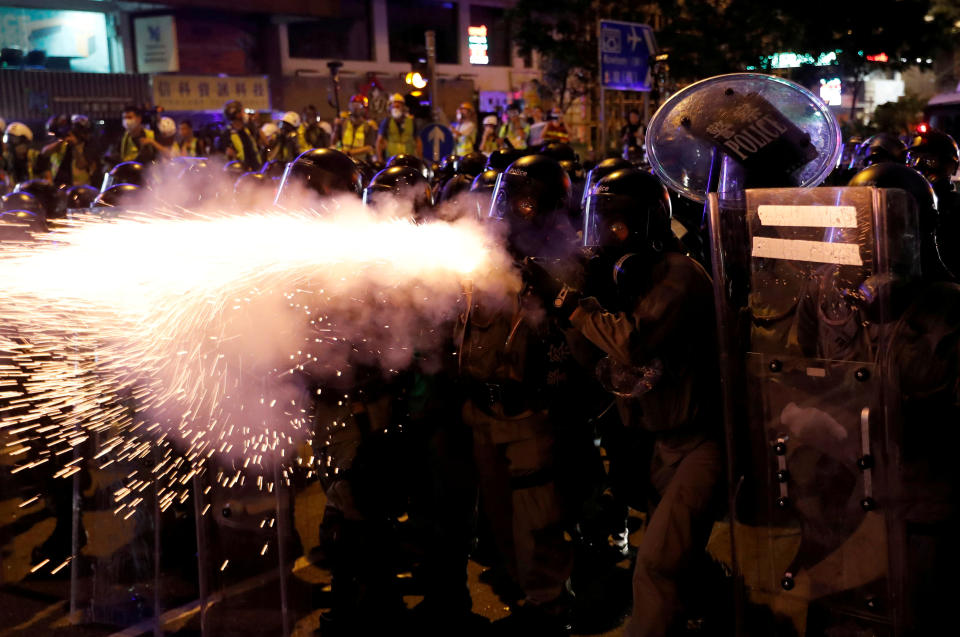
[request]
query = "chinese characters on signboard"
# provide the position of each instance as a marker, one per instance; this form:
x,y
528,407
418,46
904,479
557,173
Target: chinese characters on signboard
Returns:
x,y
206,93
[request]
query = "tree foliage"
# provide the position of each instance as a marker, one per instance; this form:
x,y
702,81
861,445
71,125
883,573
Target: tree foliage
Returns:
x,y
710,37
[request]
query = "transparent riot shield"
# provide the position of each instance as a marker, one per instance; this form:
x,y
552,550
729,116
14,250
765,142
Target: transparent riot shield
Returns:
x,y
809,284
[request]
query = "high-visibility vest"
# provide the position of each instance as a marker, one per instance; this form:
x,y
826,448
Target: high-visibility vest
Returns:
x,y
29,163
400,141
254,162
77,176
189,149
130,147
467,142
516,135
353,136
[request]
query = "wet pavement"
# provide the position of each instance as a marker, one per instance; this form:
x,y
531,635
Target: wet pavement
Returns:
x,y
117,587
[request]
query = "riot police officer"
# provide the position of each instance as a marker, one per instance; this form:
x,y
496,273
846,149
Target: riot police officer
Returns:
x,y
935,154
649,308
518,373
879,148
890,175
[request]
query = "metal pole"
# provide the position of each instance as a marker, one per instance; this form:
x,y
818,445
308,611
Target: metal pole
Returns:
x,y
157,607
602,125
281,549
726,342
335,78
75,539
201,552
432,92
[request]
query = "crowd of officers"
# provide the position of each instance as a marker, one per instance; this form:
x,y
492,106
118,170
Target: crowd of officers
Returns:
x,y
491,446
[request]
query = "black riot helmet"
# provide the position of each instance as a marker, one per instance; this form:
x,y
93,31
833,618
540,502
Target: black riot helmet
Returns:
x,y
575,169
889,175
81,127
117,196
471,164
454,187
14,201
531,189
401,182
273,169
128,172
411,161
325,171
58,126
500,159
935,154
250,182
629,211
880,148
446,169
234,169
600,171
482,186
559,151
232,110
50,196
80,196
20,225
367,171
533,197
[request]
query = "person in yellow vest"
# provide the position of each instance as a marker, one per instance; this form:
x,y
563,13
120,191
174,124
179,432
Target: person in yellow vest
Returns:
x,y
489,142
398,134
236,140
187,144
292,141
515,131
19,159
133,146
355,134
464,130
69,160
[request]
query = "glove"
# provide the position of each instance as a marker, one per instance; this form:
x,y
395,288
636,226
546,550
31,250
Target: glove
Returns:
x,y
557,298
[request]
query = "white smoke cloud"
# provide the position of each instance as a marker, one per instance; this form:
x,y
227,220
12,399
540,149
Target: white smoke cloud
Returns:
x,y
209,329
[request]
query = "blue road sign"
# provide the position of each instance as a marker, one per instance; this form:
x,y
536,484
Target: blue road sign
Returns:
x,y
626,52
437,142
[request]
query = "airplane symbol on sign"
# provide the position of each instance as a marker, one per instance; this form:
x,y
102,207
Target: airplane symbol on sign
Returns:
x,y
634,39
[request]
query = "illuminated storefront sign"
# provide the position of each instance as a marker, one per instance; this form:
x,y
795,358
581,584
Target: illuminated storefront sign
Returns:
x,y
791,60
477,41
831,91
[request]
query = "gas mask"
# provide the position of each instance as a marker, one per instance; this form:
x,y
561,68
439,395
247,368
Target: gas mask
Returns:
x,y
396,113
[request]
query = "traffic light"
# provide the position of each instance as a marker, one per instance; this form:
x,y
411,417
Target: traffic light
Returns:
x,y
416,80
418,76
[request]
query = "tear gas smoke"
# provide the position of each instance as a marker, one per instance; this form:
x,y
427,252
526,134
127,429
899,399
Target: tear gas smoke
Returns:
x,y
203,337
